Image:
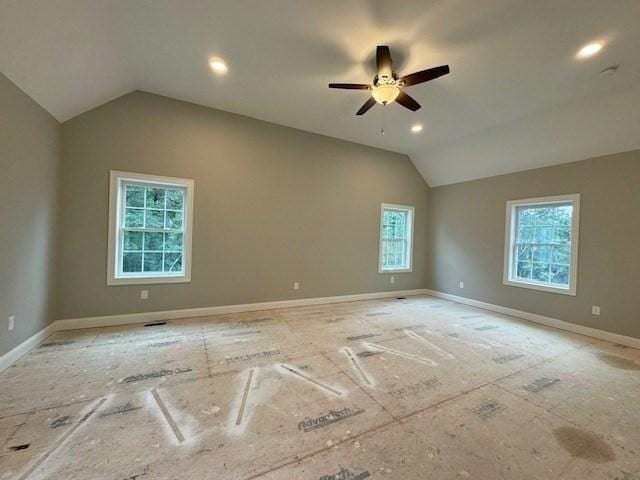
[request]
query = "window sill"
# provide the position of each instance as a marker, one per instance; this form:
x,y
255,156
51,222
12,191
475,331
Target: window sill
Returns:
x,y
542,287
148,280
397,270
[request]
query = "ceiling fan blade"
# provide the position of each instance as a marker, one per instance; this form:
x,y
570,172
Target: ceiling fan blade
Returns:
x,y
406,101
367,105
424,75
383,61
350,86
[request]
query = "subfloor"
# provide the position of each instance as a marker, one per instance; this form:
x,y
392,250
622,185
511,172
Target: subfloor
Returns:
x,y
412,389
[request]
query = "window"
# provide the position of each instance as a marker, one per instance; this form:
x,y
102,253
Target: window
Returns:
x,y
396,238
541,243
149,229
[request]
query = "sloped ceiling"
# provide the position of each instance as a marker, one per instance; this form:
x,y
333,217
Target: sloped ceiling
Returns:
x,y
517,97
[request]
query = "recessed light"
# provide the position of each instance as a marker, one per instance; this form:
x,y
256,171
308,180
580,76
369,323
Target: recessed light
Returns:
x,y
417,128
589,50
218,66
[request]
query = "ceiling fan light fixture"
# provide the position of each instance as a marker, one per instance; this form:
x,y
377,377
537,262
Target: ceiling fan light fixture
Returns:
x,y
385,94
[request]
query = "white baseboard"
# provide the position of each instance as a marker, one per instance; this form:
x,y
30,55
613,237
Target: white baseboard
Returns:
x,y
13,355
541,319
130,318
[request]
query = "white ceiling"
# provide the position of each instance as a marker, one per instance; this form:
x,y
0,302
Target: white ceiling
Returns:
x,y
516,97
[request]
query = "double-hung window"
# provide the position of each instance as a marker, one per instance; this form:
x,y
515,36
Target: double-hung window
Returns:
x,y
396,238
541,243
149,229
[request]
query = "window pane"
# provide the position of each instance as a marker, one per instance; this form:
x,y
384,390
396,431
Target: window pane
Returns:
x,y
132,262
173,242
133,217
560,274
543,243
542,235
541,253
562,215
174,220
561,254
562,234
394,254
399,219
540,272
524,270
394,224
134,196
544,216
386,251
155,198
396,239
526,216
153,241
154,219
525,234
524,252
401,255
133,241
150,229
175,199
173,262
152,262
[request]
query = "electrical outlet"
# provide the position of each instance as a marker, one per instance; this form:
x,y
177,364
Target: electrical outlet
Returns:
x,y
595,310
296,285
461,284
144,294
392,279
12,322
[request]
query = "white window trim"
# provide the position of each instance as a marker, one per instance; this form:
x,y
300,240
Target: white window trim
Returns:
x,y
510,224
409,250
114,213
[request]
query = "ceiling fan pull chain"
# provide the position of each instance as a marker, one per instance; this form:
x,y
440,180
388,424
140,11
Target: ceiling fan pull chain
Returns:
x,y
383,119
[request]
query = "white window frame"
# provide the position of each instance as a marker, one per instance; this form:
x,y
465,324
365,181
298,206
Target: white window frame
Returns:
x,y
410,210
510,237
115,214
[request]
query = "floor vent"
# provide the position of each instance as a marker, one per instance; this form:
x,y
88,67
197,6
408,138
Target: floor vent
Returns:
x,y
154,324
20,447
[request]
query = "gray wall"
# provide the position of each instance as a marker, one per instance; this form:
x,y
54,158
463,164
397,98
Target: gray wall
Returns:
x,y
29,162
466,240
273,205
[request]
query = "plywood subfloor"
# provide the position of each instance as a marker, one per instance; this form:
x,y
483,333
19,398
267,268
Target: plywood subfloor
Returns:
x,y
416,388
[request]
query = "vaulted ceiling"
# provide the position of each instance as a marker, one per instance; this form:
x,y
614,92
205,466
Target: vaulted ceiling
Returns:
x,y
516,98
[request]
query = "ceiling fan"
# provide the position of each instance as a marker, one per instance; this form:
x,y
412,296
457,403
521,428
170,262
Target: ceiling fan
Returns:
x,y
387,87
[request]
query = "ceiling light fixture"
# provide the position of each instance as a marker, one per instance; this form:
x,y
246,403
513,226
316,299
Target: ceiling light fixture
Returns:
x,y
589,50
218,66
386,93
417,128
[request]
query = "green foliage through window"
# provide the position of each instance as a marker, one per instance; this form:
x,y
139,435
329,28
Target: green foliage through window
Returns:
x,y
543,243
396,241
153,229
